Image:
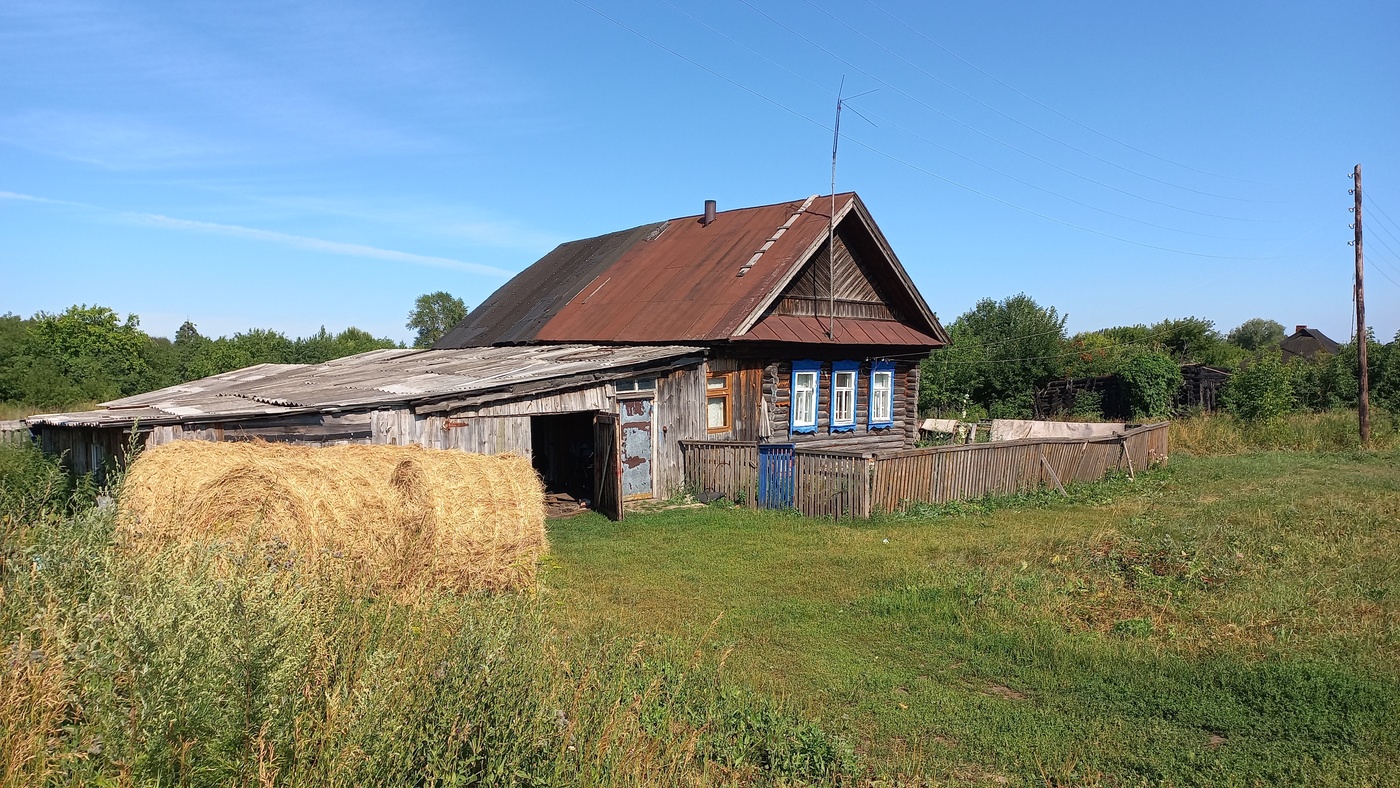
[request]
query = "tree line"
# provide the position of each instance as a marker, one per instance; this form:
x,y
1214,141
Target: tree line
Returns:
x,y
1003,351
88,354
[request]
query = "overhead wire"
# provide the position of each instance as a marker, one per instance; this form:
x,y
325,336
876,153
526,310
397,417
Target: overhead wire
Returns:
x,y
1367,198
1047,107
916,135
984,134
1081,351
898,160
1018,122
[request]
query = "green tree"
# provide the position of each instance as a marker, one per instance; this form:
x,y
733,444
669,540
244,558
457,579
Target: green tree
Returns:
x,y
1386,382
1001,351
1256,334
433,315
99,355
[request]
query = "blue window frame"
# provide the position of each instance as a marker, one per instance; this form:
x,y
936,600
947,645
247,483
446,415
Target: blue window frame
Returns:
x,y
843,395
881,394
806,391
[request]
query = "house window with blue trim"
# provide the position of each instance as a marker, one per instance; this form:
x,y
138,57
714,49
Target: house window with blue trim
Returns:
x,y
805,389
843,395
882,394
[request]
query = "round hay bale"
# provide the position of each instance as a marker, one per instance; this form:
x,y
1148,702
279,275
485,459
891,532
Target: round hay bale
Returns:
x,y
399,516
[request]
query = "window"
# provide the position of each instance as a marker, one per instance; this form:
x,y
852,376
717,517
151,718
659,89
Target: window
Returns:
x,y
882,394
804,395
636,384
717,398
843,395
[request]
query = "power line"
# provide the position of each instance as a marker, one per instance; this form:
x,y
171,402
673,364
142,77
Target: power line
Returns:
x,y
984,134
1045,106
988,167
971,97
903,162
1032,212
1381,225
1372,202
969,362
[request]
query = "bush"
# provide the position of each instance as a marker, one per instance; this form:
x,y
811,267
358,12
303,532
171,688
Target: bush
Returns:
x,y
1149,382
1260,392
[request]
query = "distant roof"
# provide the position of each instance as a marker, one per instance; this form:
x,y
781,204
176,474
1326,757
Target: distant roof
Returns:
x,y
367,380
682,281
1308,342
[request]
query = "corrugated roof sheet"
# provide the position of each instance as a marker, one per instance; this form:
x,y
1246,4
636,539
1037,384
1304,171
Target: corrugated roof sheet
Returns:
x,y
379,377
675,281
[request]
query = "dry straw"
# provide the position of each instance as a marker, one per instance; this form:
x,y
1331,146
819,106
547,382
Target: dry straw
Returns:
x,y
399,517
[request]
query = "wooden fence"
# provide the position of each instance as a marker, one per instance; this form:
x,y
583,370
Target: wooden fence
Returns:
x,y
844,484
14,432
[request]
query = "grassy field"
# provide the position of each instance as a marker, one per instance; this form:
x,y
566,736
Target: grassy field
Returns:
x,y
1224,621
1228,620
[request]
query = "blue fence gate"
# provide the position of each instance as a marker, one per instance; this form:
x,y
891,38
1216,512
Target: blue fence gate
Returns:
x,y
776,472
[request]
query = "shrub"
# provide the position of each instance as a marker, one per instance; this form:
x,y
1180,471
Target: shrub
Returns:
x,y
1260,392
1149,382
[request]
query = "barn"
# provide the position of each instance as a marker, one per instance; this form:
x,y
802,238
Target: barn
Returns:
x,y
792,323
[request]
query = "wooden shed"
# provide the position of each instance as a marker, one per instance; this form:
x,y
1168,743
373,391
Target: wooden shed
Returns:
x,y
583,413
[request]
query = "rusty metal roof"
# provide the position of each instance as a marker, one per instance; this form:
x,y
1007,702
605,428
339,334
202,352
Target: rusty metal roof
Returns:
x,y
369,380
812,331
685,282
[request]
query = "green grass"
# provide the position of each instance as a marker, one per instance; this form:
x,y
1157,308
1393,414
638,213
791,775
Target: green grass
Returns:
x,y
1224,621
194,670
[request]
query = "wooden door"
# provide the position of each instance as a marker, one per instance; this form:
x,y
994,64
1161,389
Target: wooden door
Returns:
x,y
607,466
637,447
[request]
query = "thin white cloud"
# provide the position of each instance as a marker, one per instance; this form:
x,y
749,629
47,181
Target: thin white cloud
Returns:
x,y
270,236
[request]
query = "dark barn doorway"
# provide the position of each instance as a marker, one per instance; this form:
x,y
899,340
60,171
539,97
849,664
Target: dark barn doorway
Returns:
x,y
561,446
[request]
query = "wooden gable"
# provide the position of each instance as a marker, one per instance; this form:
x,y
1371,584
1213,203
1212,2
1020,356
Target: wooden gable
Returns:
x,y
856,292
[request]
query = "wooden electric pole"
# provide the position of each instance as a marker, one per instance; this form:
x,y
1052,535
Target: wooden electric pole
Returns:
x,y
1363,404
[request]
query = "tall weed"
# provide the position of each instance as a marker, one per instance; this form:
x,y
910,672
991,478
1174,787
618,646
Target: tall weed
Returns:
x,y
178,671
1221,433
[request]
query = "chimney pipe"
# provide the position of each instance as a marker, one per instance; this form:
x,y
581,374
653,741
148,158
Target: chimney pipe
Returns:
x,y
1300,329
709,217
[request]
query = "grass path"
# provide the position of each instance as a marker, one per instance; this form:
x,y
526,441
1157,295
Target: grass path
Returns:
x,y
1225,621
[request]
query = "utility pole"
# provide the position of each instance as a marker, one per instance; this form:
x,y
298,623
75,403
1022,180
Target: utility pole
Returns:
x,y
1363,403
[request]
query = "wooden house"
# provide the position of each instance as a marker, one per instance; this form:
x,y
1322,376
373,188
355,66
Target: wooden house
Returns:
x,y
811,328
784,324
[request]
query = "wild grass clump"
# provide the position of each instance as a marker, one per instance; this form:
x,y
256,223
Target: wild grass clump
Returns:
x,y
185,668
1221,433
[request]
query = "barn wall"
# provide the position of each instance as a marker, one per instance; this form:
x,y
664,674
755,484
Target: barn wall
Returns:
x,y
680,415
488,429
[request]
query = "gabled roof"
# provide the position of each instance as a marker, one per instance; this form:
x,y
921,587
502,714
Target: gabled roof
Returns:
x,y
1307,342
682,281
375,379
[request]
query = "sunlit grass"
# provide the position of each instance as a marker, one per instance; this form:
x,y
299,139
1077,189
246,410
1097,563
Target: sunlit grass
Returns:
x,y
1220,433
1228,620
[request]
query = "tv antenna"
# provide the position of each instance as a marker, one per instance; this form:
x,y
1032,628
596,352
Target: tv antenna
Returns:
x,y
831,218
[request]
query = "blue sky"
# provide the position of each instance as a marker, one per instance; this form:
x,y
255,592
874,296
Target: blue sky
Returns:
x,y
291,165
